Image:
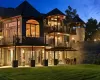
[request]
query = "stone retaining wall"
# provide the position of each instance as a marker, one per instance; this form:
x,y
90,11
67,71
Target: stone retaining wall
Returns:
x,y
88,52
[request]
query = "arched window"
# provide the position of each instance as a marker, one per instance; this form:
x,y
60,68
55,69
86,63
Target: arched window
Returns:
x,y
32,28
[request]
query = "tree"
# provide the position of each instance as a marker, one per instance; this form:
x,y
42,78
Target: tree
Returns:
x,y
91,29
69,20
70,14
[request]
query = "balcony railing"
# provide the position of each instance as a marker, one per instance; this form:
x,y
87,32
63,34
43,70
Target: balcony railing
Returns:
x,y
51,29
33,40
21,40
58,44
62,29
10,40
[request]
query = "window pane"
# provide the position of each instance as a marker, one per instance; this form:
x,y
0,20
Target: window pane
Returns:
x,y
27,30
19,31
37,31
33,30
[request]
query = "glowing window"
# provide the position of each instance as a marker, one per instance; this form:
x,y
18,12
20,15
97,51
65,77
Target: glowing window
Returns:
x,y
32,28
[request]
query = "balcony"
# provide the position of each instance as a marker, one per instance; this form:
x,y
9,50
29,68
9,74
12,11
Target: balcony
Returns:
x,y
38,41
10,40
22,41
6,41
60,29
58,44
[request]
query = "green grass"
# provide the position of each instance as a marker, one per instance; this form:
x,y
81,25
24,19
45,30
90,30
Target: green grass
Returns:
x,y
70,72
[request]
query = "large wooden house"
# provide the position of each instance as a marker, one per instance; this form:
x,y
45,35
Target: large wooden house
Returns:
x,y
29,38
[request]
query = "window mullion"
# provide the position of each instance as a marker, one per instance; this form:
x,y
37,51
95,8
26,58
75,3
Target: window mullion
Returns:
x,y
35,30
30,31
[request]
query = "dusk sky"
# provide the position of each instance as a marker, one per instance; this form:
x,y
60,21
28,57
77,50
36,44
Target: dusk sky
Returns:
x,y
85,8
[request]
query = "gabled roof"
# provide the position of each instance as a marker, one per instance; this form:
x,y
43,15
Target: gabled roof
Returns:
x,y
7,12
2,11
26,9
55,12
10,12
78,19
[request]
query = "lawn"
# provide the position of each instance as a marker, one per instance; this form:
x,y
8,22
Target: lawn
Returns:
x,y
68,72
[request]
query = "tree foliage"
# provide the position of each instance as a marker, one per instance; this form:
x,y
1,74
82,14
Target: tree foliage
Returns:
x,y
70,14
68,21
91,28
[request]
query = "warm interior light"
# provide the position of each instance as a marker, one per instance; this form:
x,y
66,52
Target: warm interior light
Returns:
x,y
43,51
58,33
48,47
22,51
59,38
1,37
95,40
73,38
11,54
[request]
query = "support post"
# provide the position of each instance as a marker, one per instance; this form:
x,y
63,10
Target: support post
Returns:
x,y
32,60
1,58
32,52
45,61
55,60
15,61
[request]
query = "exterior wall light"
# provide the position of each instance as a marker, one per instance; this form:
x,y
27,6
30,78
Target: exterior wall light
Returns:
x,y
23,51
43,51
73,38
59,38
95,40
1,37
58,33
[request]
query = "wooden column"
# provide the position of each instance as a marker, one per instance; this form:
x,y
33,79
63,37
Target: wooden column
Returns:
x,y
15,52
66,54
45,47
32,59
15,40
32,52
1,58
54,47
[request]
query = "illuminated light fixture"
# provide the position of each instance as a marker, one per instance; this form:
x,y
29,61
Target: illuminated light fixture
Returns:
x,y
1,37
95,40
64,17
58,33
73,38
43,51
23,51
67,34
59,38
66,42
48,47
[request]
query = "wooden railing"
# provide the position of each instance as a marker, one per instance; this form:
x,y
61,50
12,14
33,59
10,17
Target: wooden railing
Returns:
x,y
50,29
22,40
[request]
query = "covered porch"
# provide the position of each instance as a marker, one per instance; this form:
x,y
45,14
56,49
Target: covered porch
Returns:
x,y
61,55
31,56
22,54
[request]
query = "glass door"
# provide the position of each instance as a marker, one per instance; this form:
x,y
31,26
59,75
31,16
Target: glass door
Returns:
x,y
50,58
39,57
